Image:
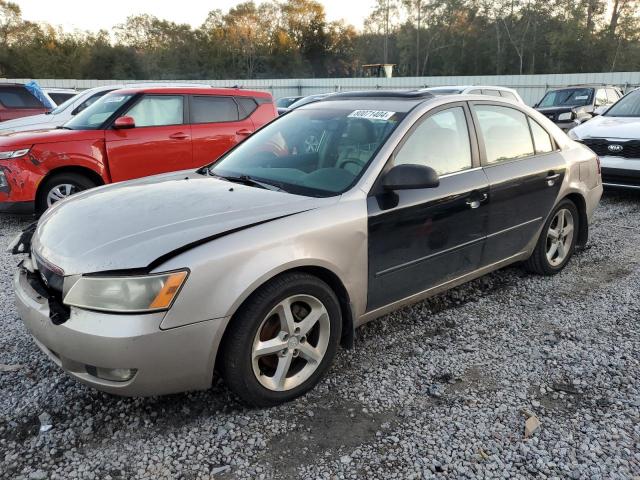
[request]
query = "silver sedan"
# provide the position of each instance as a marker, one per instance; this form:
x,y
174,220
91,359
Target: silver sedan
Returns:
x,y
260,265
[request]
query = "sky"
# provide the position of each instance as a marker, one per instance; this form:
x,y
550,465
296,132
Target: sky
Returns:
x,y
93,15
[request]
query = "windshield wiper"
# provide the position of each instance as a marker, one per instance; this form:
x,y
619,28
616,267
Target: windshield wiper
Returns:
x,y
248,180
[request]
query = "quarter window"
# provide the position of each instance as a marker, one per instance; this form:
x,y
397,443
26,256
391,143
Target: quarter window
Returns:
x,y
441,142
505,132
158,110
210,109
541,138
248,106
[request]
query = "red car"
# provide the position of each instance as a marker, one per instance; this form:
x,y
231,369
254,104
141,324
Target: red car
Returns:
x,y
17,102
127,134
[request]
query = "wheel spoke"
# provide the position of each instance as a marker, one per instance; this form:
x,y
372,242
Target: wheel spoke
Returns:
x,y
552,251
309,353
269,347
310,320
287,322
568,231
284,363
561,220
561,251
554,234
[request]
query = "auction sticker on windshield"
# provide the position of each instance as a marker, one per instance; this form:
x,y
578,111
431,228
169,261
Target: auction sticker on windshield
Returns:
x,y
373,114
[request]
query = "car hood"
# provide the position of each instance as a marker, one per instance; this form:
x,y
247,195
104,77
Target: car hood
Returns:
x,y
54,135
548,110
33,122
132,224
610,127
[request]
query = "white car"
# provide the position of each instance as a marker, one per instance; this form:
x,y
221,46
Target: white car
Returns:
x,y
493,91
615,137
60,95
65,112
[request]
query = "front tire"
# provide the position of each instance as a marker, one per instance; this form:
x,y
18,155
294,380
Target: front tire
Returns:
x,y
557,241
282,340
60,186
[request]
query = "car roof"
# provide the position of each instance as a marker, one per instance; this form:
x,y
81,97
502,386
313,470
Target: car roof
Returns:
x,y
388,100
196,90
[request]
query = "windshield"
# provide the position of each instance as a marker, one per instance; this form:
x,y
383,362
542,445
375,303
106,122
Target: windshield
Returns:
x,y
317,152
94,116
286,102
569,97
63,106
628,106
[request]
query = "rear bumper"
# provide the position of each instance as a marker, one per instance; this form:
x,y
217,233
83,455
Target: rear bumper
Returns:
x,y
165,361
620,172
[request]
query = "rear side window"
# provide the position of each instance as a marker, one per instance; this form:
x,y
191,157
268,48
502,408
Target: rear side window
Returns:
x,y
158,110
493,93
210,109
18,97
508,95
247,106
441,142
60,98
541,139
505,132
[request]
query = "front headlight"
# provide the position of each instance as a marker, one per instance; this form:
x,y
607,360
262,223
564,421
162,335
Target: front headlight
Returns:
x,y
134,294
14,153
573,135
565,116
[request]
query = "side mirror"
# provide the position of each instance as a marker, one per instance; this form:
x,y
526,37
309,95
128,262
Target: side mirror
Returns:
x,y
124,123
601,110
406,177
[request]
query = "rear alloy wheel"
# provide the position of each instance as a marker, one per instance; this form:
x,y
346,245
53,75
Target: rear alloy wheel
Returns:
x,y
60,186
557,241
282,340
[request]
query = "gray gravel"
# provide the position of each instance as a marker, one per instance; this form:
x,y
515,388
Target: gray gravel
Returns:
x,y
443,388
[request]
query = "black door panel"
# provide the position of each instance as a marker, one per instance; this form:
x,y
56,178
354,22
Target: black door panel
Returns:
x,y
421,238
522,195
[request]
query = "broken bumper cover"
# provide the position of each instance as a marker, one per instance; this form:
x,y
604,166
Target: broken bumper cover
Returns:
x,y
161,361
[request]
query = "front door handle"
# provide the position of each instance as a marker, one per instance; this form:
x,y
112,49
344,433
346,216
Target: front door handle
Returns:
x,y
552,178
476,201
244,131
178,136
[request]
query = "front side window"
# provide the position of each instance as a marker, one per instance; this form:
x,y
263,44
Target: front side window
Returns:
x,y
210,109
318,151
441,142
627,106
97,114
541,139
158,110
505,132
568,97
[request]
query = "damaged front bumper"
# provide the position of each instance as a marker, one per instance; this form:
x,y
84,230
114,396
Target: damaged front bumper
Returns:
x,y
120,354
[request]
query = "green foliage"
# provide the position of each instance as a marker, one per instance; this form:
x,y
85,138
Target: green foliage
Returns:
x,y
293,38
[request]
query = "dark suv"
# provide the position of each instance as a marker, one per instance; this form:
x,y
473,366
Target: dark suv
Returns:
x,y
571,106
16,102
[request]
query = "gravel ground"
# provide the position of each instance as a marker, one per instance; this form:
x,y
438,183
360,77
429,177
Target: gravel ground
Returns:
x,y
443,388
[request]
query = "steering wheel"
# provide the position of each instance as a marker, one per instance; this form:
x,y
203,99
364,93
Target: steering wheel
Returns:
x,y
359,163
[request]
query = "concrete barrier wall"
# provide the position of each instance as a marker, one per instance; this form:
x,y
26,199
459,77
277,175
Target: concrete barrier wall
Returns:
x,y
530,87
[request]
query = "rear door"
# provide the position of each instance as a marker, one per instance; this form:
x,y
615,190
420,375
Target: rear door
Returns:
x,y
525,171
160,141
217,124
419,239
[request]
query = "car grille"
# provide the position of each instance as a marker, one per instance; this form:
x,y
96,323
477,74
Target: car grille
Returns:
x,y
630,148
551,116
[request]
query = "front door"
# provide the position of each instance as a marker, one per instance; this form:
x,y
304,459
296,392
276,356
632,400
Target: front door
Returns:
x,y
159,143
419,239
525,172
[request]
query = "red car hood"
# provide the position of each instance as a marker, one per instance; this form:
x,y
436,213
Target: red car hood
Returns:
x,y
47,136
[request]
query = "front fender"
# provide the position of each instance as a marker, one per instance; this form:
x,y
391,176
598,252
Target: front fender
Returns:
x,y
226,271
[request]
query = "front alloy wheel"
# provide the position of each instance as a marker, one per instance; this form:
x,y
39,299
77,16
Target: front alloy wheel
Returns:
x,y
282,340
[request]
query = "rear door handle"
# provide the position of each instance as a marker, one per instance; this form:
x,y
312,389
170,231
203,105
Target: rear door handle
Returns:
x,y
475,201
244,131
551,178
178,136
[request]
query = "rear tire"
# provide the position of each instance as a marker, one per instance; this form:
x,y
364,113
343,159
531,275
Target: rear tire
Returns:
x,y
557,240
60,186
282,340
